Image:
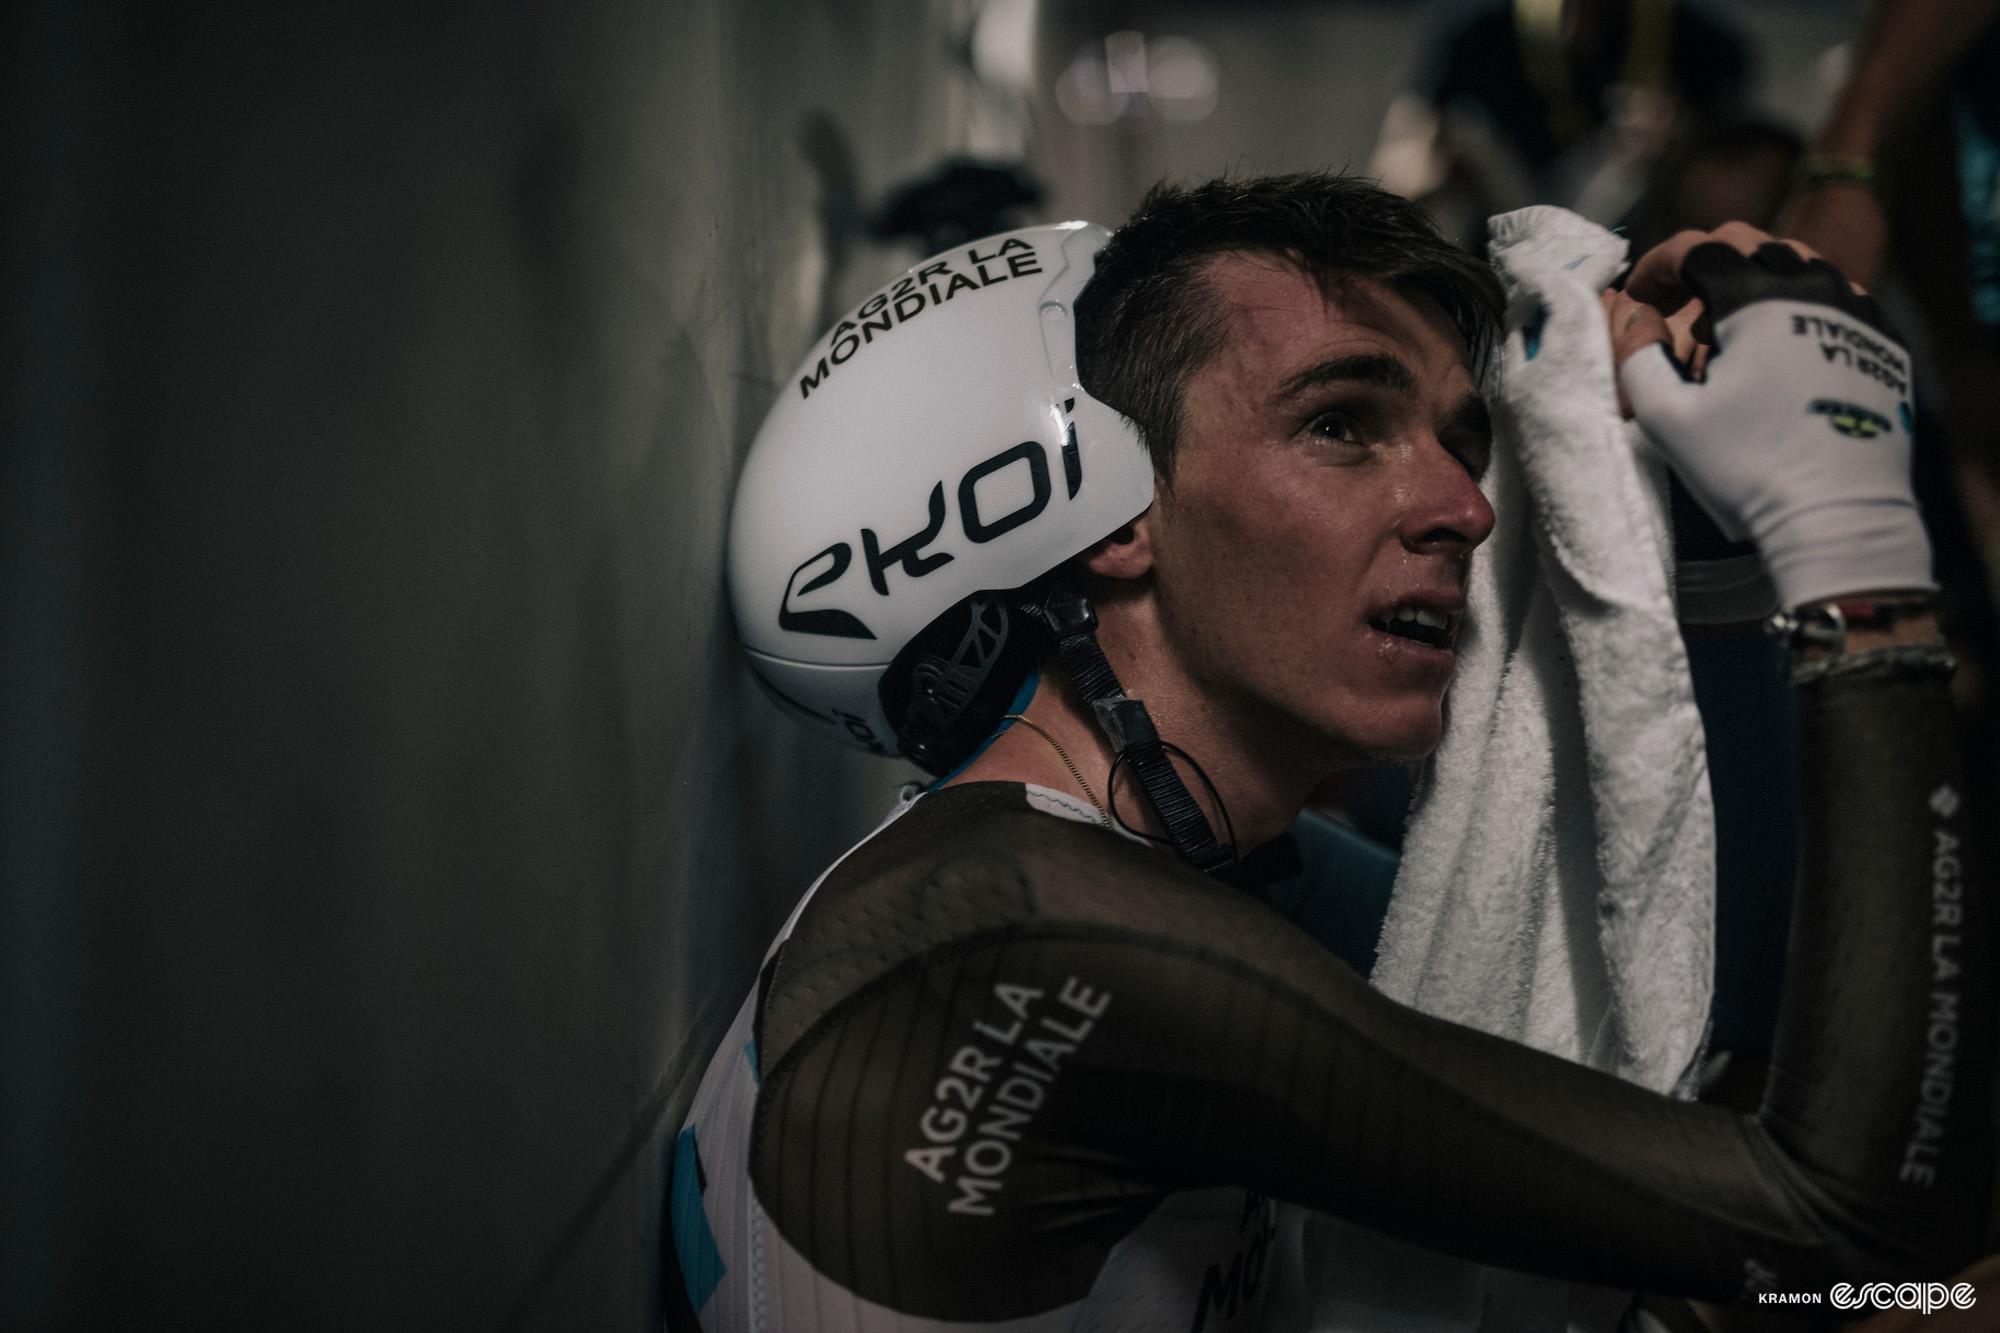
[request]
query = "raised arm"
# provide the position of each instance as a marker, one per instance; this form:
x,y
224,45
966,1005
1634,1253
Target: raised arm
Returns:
x,y
969,1134
1906,48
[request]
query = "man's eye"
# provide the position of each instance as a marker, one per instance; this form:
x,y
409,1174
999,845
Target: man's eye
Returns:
x,y
1338,427
1473,451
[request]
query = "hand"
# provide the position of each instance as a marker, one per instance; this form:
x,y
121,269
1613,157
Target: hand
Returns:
x,y
1634,326
1797,436
1660,281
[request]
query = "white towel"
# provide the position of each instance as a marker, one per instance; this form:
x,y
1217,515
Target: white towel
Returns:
x,y
1558,875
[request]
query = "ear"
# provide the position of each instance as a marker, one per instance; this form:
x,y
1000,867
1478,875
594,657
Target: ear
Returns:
x,y
1126,553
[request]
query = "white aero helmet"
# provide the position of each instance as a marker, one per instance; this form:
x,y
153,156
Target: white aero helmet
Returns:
x,y
934,445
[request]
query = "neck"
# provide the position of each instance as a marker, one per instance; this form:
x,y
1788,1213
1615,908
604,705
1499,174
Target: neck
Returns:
x,y
1235,752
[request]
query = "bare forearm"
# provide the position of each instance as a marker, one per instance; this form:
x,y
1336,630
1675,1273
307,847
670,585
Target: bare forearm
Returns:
x,y
1908,45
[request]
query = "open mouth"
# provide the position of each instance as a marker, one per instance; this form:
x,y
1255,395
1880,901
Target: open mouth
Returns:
x,y
1428,627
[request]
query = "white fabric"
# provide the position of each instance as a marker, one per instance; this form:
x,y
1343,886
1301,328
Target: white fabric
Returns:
x,y
1558,875
1825,493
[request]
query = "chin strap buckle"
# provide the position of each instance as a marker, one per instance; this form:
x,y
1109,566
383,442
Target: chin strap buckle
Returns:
x,y
1066,613
1126,721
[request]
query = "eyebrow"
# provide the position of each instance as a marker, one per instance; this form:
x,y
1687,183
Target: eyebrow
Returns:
x,y
1384,372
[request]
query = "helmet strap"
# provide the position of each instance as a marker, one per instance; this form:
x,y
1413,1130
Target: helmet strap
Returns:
x,y
1068,615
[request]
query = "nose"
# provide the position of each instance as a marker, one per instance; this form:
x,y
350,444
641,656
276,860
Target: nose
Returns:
x,y
1447,513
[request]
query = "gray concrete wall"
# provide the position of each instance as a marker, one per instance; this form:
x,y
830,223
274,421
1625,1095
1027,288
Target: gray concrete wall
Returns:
x,y
388,828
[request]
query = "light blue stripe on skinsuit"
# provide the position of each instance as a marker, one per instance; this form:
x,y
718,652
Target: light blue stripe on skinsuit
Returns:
x,y
1022,697
694,1243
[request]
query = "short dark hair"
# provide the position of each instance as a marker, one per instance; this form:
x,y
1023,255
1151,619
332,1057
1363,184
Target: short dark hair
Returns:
x,y
1146,323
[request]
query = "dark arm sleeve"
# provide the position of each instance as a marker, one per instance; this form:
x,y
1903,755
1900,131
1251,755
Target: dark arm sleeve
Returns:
x,y
983,1122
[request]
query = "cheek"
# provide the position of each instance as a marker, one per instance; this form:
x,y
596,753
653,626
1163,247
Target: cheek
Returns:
x,y
1279,557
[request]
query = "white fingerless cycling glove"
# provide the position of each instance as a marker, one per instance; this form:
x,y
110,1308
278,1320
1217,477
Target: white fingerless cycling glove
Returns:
x,y
1799,437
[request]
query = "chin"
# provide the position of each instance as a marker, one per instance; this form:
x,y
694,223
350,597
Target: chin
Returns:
x,y
1407,750
1394,734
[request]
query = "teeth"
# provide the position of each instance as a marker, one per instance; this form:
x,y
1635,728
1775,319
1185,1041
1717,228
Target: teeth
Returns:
x,y
1428,619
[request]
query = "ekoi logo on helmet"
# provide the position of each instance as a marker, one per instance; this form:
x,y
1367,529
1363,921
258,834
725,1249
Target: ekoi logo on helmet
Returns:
x,y
910,553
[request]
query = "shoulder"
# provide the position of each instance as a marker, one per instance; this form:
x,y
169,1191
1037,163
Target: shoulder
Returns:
x,y
965,862
934,1037
970,863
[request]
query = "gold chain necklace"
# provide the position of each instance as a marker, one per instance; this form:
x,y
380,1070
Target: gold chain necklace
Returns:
x,y
1064,756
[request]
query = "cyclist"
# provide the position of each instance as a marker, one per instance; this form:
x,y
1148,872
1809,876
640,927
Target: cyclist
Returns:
x,y
1194,505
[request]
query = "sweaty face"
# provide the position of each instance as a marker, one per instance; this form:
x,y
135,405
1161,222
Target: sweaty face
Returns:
x,y
1311,553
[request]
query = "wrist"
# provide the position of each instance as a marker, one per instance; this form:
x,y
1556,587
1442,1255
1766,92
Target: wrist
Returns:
x,y
1820,170
1858,623
1884,620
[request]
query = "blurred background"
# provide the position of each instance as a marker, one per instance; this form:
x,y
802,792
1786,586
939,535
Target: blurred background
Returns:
x,y
387,826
